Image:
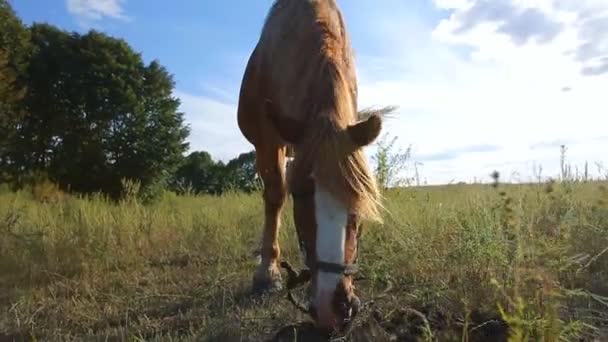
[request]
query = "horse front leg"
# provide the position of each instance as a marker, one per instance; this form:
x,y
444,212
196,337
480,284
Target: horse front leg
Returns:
x,y
271,167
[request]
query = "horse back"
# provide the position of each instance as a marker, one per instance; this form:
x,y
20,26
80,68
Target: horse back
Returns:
x,y
301,41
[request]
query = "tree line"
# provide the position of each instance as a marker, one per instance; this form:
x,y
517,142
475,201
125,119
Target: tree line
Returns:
x,y
86,112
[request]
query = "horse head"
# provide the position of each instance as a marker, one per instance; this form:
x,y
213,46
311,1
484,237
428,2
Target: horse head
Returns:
x,y
327,216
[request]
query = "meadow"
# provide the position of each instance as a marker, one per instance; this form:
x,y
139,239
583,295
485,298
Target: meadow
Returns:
x,y
466,263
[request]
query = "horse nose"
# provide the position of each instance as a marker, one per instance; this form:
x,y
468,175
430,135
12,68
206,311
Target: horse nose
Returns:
x,y
323,314
331,319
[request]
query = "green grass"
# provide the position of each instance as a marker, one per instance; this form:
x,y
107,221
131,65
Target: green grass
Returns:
x,y
464,257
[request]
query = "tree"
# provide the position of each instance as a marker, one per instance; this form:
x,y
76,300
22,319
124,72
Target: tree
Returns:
x,y
97,114
14,50
201,174
196,173
242,172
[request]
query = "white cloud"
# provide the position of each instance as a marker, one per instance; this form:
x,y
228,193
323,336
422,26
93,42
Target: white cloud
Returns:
x,y
571,30
498,82
89,11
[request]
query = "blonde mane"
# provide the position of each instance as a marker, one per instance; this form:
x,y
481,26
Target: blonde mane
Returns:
x,y
337,165
319,89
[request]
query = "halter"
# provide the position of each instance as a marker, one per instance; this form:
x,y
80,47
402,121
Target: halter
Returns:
x,y
324,266
296,279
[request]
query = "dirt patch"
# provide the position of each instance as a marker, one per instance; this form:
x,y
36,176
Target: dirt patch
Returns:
x,y
368,331
400,325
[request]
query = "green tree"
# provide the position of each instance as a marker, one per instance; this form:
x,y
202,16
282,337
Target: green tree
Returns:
x,y
196,173
201,174
242,173
97,114
14,51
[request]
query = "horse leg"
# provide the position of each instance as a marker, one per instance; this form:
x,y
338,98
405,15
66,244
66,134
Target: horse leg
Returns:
x,y
256,127
270,162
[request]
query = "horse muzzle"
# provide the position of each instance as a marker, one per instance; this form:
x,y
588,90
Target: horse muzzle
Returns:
x,y
336,319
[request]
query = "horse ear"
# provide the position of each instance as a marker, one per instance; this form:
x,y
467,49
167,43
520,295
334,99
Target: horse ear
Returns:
x,y
288,129
365,132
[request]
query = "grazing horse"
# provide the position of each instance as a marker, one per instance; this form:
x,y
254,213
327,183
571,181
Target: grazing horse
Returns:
x,y
299,92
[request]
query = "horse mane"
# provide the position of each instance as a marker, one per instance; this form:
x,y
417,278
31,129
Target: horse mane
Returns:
x,y
327,102
339,166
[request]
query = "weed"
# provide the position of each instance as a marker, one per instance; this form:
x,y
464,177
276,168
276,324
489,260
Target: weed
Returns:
x,y
468,262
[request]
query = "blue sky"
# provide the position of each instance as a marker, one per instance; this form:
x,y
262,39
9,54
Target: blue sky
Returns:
x,y
480,85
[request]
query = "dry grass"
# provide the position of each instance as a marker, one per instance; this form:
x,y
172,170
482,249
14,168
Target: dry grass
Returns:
x,y
180,269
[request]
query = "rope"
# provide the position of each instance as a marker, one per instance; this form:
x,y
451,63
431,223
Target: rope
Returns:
x,y
296,279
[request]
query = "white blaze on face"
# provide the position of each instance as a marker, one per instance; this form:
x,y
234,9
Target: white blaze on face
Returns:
x,y
331,217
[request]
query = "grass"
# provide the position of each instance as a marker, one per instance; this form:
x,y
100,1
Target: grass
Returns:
x,y
466,261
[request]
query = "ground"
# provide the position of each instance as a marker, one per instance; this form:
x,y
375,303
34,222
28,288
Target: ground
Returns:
x,y
467,263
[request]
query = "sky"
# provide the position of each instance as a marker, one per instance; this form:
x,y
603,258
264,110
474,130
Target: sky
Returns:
x,y
480,85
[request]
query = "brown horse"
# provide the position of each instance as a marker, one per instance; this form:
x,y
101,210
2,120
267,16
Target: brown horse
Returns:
x,y
299,91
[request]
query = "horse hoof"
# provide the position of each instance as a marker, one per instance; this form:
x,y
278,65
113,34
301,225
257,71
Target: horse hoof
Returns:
x,y
266,286
267,281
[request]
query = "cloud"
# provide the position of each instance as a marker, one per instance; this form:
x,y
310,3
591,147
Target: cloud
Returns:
x,y
600,68
554,144
458,152
568,142
89,11
592,27
521,24
578,26
482,87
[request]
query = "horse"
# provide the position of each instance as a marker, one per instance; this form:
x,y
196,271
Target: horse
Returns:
x,y
299,94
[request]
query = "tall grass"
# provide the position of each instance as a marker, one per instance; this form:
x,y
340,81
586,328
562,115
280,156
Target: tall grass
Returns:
x,y
467,258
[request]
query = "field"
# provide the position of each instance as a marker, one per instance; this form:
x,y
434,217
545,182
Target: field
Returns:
x,y
465,262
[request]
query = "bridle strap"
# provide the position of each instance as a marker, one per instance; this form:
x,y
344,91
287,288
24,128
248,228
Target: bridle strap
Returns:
x,y
302,194
329,267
